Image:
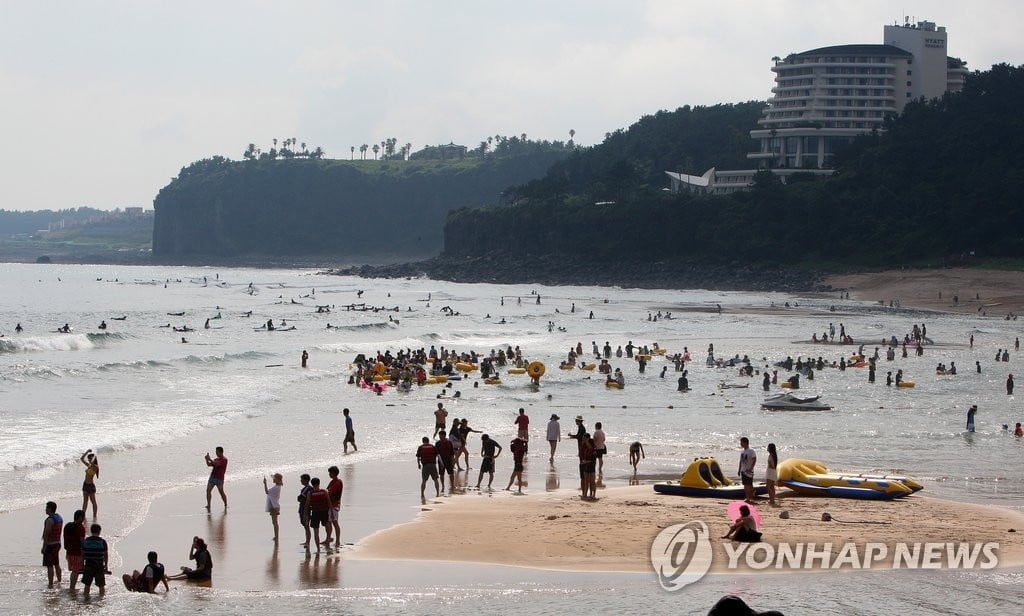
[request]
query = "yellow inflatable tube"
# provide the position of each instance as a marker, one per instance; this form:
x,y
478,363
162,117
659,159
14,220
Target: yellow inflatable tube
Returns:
x,y
905,384
465,366
612,384
517,370
704,473
817,474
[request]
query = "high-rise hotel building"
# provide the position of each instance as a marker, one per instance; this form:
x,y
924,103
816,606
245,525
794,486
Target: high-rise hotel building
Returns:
x,y
825,97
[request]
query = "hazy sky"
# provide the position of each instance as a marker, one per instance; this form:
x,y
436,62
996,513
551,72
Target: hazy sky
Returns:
x,y
103,101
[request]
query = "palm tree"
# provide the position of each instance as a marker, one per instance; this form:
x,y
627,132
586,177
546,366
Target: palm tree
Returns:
x,y
376,148
352,149
362,150
572,133
275,142
303,144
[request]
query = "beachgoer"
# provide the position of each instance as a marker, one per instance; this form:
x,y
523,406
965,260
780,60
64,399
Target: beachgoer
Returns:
x,y
766,381
147,579
426,461
744,528
335,488
53,526
94,560
518,447
554,436
74,532
489,450
445,459
1018,430
772,475
1009,385
305,358
303,499
636,452
748,459
92,470
970,417
440,417
522,421
319,503
588,484
219,466
599,446
203,570
464,431
273,504
350,433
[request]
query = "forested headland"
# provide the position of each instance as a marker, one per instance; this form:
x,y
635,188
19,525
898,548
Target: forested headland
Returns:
x,y
283,207
943,182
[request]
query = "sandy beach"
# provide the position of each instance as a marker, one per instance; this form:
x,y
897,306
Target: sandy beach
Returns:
x,y
994,292
559,531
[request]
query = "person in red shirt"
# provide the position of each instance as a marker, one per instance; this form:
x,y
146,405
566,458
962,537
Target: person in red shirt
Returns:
x,y
319,505
426,461
219,466
518,448
523,423
334,489
73,535
446,459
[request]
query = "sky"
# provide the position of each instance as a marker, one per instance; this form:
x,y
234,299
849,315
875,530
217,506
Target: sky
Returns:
x,y
103,102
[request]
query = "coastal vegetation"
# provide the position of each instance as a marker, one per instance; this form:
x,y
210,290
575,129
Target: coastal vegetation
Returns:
x,y
943,183
288,206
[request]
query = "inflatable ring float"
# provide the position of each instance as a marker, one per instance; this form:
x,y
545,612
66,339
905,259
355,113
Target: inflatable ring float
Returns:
x,y
535,369
517,370
465,366
905,384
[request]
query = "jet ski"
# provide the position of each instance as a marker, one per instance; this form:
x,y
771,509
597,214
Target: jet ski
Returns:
x,y
790,402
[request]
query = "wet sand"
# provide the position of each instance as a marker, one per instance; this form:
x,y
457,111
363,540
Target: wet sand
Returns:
x,y
994,292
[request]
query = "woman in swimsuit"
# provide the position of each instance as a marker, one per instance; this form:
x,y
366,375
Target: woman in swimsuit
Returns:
x,y
92,471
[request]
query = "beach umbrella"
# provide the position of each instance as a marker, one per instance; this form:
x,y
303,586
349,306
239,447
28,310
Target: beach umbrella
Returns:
x,y
734,511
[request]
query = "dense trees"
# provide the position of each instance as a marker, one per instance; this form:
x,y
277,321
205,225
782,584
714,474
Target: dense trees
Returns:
x,y
266,208
945,179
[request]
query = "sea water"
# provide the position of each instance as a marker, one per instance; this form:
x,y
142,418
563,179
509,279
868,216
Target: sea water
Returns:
x,y
151,404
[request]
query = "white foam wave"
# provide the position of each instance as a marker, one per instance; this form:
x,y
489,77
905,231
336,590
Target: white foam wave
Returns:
x,y
61,342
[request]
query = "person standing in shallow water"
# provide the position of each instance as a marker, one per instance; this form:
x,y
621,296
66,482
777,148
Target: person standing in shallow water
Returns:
x,y
305,358
350,432
53,527
1009,385
219,466
92,471
970,417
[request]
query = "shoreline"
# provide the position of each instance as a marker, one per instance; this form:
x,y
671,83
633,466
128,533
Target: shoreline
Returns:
x,y
558,531
979,291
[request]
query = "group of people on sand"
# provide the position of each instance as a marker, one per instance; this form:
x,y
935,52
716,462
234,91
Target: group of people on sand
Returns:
x,y
87,556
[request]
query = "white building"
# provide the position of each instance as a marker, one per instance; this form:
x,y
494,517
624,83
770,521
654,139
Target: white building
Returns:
x,y
825,97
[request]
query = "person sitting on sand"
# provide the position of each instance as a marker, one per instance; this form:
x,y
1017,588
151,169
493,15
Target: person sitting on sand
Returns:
x,y
204,563
745,528
148,579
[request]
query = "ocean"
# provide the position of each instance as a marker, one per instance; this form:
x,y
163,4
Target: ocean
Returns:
x,y
152,405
